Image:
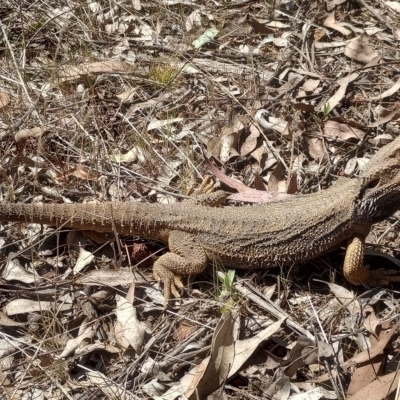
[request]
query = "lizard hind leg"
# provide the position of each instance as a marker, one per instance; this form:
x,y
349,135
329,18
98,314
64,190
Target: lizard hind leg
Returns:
x,y
186,257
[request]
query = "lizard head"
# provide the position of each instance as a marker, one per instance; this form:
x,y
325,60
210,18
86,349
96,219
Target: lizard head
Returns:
x,y
380,191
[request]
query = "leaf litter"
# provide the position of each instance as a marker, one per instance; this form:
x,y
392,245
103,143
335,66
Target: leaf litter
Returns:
x,y
138,102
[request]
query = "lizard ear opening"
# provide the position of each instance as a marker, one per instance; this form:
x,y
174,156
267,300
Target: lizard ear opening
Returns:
x,y
374,183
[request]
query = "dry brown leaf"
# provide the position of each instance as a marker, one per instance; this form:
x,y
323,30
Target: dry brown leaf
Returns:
x,y
381,140
346,298
14,271
331,4
75,72
232,183
391,91
246,347
365,374
82,172
351,166
305,352
371,322
4,99
360,50
316,148
251,141
133,330
73,344
127,95
110,389
267,121
365,355
394,5
311,84
338,96
119,335
330,22
277,180
22,306
193,20
85,258
379,389
5,321
214,370
29,133
319,34
338,131
110,278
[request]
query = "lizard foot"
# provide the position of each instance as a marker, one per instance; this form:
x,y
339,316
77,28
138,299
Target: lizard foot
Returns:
x,y
186,257
382,277
378,277
172,283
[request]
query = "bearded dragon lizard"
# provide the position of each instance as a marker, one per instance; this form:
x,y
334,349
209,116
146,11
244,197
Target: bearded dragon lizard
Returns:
x,y
266,235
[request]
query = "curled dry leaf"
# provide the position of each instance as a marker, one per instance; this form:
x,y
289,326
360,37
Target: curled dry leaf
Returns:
x,y
13,271
133,330
85,258
74,344
268,122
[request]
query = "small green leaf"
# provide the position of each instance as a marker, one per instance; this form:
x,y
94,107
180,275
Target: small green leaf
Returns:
x,y
206,37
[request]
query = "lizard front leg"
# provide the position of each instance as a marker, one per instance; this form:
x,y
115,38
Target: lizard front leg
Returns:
x,y
186,257
355,271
